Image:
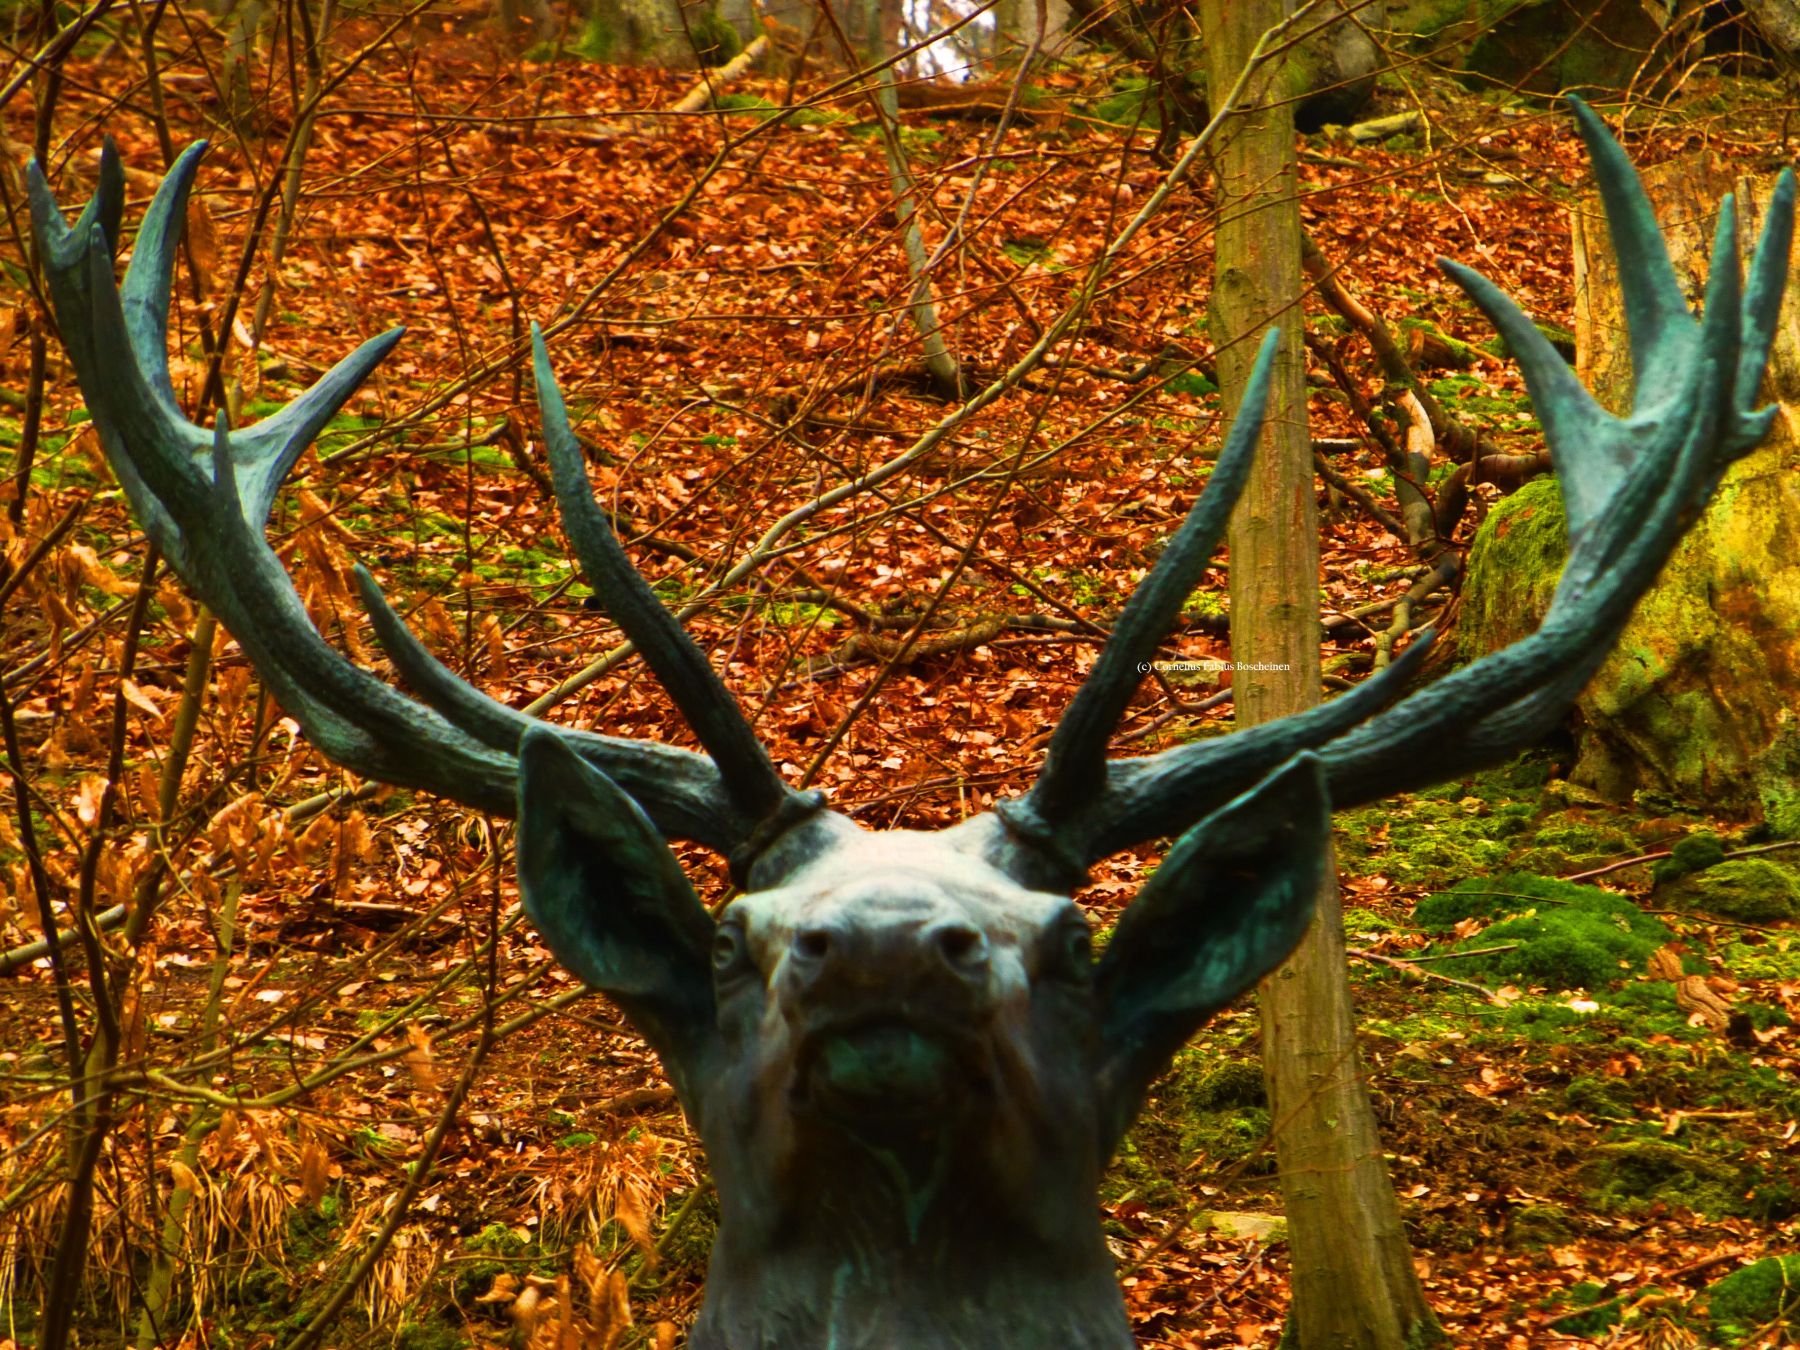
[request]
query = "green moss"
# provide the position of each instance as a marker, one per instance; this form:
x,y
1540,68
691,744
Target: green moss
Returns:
x,y
505,1250
1694,853
1574,844
1236,1082
1208,1112
1696,701
1514,562
1758,1296
1778,783
1474,399
691,1244
1459,354
715,40
1134,102
1560,338
1595,1312
1133,1175
1556,934
1627,1176
1772,1202
1540,1226
1427,841
1748,890
754,105
1217,1109
1596,1095
431,1336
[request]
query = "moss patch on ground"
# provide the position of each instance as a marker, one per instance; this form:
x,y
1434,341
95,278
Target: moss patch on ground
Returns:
x,y
1746,890
1585,1103
1761,1297
1541,932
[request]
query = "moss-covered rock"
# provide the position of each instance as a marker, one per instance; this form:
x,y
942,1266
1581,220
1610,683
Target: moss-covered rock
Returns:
x,y
1546,46
1696,702
1762,1295
715,40
1514,562
1542,46
1694,852
1551,933
1749,890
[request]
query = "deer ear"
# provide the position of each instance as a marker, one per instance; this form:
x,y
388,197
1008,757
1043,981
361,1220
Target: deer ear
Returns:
x,y
611,901
1230,901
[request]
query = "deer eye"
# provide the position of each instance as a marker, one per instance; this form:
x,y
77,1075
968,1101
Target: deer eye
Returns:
x,y
1070,956
730,952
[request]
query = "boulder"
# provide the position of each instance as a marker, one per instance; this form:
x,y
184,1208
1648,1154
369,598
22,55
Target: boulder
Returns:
x,y
1547,46
1699,700
1747,890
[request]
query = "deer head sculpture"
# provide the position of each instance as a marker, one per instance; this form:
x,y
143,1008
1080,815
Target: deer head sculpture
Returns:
x,y
905,1064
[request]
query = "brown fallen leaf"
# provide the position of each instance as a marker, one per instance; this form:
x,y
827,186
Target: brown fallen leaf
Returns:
x,y
418,1058
315,1171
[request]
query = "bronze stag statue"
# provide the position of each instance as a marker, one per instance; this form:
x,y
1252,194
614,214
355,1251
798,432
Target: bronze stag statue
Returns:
x,y
905,1063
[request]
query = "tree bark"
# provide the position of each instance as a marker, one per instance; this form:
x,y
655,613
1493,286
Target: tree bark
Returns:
x,y
1353,1280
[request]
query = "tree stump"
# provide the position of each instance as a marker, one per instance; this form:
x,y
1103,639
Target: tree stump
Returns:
x,y
1699,700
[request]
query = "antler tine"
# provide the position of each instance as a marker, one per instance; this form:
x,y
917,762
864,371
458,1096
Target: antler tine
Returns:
x,y
1762,300
1059,815
679,790
123,353
204,497
1077,753
64,249
681,667
1630,486
1655,310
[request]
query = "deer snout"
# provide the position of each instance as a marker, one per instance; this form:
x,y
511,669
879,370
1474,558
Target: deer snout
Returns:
x,y
845,953
889,1012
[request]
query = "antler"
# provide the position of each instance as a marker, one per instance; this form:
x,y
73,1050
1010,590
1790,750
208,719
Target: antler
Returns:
x,y
1630,485
204,498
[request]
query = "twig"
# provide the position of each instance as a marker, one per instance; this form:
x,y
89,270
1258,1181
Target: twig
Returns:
x,y
1473,951
1053,335
108,919
1662,853
1409,968
401,1205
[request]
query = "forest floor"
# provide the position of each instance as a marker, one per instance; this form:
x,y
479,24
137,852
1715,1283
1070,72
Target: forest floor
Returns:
x,y
1583,1152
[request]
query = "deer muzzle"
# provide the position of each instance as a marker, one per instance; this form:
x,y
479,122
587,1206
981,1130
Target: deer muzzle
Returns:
x,y
889,1017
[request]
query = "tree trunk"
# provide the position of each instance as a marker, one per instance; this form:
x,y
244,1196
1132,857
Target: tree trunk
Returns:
x,y
1353,1279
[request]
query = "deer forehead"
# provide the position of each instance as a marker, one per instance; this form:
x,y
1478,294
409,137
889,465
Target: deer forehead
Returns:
x,y
900,877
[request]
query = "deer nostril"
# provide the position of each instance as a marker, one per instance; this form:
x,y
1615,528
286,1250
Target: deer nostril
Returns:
x,y
812,944
961,945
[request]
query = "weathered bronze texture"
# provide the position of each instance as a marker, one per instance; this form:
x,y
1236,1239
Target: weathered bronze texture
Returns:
x,y
906,1066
